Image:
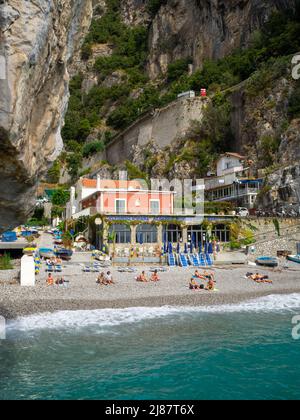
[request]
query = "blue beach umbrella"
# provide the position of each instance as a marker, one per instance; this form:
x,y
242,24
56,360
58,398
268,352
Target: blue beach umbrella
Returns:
x,y
194,239
165,247
170,248
200,247
210,248
192,247
140,237
185,248
205,247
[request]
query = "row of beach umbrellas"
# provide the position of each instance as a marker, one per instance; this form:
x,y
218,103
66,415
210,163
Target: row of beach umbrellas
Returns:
x,y
207,248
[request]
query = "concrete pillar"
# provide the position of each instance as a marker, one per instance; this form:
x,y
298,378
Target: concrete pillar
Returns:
x,y
133,235
185,235
160,234
105,233
27,271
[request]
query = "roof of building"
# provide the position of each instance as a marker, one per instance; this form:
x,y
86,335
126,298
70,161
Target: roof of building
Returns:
x,y
111,184
236,155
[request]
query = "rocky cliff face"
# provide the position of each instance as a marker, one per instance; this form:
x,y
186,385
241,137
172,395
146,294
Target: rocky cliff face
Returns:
x,y
283,191
37,40
205,29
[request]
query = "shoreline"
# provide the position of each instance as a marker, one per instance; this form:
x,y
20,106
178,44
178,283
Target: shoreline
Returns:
x,y
83,293
15,309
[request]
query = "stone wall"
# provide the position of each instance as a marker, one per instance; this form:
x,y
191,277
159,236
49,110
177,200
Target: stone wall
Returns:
x,y
162,127
268,241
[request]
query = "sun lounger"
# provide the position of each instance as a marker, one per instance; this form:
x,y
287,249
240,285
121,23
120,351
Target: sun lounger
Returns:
x,y
171,260
203,262
183,261
158,269
86,269
209,260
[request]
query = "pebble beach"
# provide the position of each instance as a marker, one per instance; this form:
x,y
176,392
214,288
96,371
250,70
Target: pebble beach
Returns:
x,y
82,292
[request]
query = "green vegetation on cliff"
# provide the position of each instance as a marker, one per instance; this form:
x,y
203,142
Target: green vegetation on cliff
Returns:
x,y
117,105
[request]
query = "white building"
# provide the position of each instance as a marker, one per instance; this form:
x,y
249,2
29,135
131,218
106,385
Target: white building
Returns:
x,y
84,188
230,163
232,183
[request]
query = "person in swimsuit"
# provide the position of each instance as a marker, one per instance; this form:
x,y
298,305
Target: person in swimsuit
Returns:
x,y
194,285
50,280
101,279
109,278
142,278
199,276
155,276
211,285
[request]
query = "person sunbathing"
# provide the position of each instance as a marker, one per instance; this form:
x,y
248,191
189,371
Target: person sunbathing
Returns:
x,y
142,278
194,285
199,276
259,278
211,285
101,280
109,278
60,281
209,275
50,280
155,276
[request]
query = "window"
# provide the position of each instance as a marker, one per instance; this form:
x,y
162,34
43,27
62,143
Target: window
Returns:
x,y
172,233
121,233
222,233
146,234
154,207
120,206
197,234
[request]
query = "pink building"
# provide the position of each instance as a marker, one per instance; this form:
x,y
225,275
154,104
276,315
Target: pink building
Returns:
x,y
126,197
133,215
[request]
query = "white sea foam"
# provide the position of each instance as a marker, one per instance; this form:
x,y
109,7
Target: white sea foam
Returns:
x,y
113,317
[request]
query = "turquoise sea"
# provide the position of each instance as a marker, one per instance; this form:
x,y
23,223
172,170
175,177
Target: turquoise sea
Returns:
x,y
244,351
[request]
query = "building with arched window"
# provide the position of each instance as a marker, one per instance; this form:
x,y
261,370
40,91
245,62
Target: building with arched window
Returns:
x,y
127,214
119,234
146,234
172,233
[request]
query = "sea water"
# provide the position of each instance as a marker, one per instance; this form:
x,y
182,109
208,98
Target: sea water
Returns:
x,y
243,351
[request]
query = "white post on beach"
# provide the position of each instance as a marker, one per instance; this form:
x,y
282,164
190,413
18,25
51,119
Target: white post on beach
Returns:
x,y
27,271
